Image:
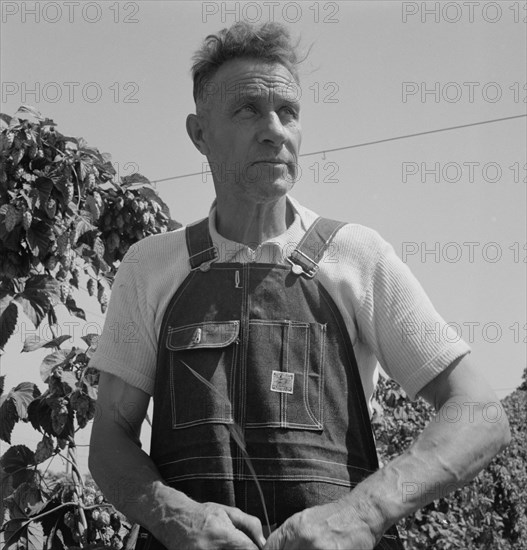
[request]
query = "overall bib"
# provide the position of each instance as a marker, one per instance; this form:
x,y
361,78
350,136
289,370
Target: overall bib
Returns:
x,y
255,359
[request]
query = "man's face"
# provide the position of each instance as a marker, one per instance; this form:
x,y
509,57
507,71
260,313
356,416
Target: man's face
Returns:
x,y
250,115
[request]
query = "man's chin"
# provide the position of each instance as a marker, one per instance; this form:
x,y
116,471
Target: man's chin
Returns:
x,y
270,190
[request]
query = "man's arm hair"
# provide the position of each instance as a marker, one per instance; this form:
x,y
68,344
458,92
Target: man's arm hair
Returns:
x,y
131,482
125,473
446,455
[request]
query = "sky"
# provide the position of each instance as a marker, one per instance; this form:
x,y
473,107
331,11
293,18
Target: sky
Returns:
x,y
452,203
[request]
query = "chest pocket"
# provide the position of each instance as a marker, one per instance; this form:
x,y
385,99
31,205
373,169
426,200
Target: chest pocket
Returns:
x,y
202,359
285,375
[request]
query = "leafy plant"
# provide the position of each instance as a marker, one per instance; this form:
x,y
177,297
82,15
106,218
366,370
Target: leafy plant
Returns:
x,y
490,513
62,220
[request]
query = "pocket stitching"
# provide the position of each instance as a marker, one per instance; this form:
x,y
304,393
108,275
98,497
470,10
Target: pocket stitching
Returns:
x,y
224,344
307,363
210,420
315,424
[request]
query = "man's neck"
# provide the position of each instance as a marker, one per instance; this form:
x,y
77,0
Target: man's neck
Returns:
x,y
252,224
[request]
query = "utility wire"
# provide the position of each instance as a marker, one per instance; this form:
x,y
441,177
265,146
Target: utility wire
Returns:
x,y
323,151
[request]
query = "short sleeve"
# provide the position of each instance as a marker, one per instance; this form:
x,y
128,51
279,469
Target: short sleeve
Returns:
x,y
127,346
411,341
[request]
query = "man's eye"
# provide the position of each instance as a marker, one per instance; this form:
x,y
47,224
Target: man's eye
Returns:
x,y
290,111
247,109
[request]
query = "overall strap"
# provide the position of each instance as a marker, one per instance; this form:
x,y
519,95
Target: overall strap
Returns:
x,y
311,248
201,251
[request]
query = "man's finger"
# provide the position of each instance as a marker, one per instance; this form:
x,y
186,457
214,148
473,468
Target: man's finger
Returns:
x,y
276,540
238,540
249,525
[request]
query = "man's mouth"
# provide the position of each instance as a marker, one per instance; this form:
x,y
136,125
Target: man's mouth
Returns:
x,y
270,161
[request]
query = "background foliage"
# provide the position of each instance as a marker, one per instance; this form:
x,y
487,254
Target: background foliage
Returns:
x,y
64,222
490,513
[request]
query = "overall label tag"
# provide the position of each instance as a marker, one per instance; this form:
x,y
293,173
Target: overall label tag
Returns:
x,y
282,382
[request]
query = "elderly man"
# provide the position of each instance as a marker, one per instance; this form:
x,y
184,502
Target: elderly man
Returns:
x,y
257,331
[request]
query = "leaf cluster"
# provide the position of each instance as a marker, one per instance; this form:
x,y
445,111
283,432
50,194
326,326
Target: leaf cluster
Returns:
x,y
489,513
62,214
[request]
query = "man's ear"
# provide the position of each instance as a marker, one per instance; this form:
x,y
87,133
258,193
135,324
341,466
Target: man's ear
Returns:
x,y
195,131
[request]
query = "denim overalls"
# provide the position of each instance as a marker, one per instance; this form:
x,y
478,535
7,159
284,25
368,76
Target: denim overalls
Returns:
x,y
259,350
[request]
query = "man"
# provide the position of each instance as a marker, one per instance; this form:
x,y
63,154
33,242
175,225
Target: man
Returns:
x,y
257,331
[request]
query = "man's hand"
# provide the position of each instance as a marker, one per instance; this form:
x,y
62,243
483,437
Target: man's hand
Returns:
x,y
212,526
336,525
130,480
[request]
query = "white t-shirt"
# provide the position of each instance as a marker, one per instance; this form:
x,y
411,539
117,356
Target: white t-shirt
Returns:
x,y
387,313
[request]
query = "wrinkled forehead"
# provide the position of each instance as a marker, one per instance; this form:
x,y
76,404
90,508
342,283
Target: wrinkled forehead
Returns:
x,y
246,79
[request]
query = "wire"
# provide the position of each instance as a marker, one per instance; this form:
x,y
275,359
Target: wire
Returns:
x,y
367,143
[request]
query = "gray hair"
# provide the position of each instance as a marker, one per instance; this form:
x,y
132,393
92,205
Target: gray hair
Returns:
x,y
269,42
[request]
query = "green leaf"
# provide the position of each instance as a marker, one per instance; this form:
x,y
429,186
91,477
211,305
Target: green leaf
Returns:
x,y
34,310
83,406
29,110
22,396
5,300
98,247
86,164
8,418
6,489
33,342
13,407
17,458
67,377
51,361
39,237
8,321
46,283
134,179
73,309
91,340
39,414
5,121
44,186
29,497
45,449
82,225
40,294
26,501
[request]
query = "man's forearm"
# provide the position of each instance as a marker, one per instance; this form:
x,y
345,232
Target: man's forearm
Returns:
x,y
444,457
130,481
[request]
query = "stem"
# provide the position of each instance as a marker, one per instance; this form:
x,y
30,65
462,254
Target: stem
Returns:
x,y
74,466
34,518
77,185
77,478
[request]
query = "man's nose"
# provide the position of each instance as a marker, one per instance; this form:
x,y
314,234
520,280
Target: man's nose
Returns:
x,y
272,130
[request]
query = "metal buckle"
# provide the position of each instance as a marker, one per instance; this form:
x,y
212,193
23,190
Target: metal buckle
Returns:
x,y
297,269
205,266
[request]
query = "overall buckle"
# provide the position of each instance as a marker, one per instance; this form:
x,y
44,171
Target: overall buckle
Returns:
x,y
304,264
205,266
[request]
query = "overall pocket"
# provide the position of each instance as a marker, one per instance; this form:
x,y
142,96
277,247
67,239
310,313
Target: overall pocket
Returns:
x,y
202,358
285,375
